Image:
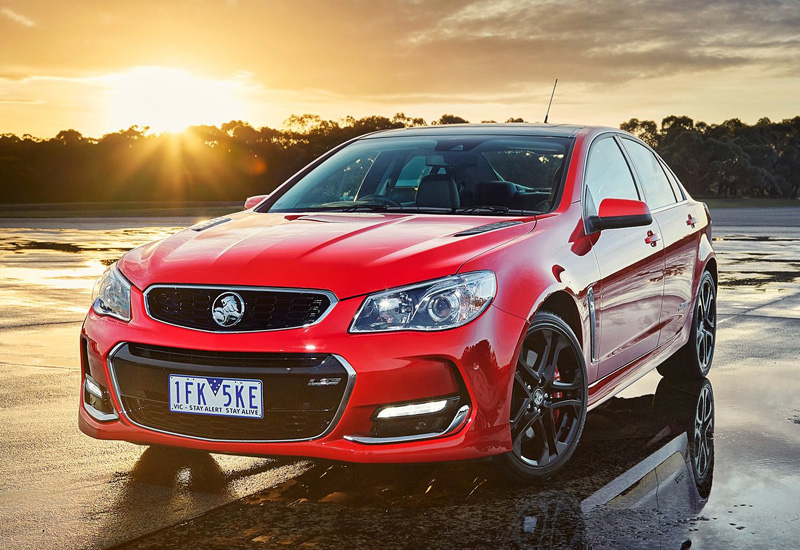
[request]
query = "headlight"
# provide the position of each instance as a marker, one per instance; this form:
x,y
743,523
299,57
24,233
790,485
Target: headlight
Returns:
x,y
112,294
435,305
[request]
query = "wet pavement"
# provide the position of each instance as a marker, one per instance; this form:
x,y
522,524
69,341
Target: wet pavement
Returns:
x,y
59,488
640,478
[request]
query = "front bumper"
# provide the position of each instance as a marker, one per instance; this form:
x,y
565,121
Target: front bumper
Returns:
x,y
476,360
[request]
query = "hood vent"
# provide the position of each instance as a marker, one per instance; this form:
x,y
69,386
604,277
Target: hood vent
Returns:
x,y
484,228
208,224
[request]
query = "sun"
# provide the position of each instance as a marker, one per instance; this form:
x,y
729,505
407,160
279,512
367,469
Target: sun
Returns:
x,y
170,100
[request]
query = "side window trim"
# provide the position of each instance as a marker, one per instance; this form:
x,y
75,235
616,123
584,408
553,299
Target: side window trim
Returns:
x,y
637,176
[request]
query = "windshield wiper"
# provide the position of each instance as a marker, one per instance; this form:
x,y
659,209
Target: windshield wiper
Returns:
x,y
368,206
489,210
379,207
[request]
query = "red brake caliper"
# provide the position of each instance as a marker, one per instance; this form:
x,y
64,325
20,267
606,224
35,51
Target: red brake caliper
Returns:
x,y
556,394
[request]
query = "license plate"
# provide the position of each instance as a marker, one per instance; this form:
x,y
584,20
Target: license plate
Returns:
x,y
216,396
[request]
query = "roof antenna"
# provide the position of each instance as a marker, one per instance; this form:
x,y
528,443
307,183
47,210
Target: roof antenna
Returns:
x,y
551,101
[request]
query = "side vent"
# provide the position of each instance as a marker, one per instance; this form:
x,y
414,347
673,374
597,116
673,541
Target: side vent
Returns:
x,y
592,325
484,228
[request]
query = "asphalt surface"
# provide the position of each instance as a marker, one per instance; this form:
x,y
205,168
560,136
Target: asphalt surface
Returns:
x,y
630,483
757,218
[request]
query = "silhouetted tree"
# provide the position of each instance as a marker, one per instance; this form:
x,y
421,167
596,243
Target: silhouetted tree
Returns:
x,y
646,130
408,122
450,119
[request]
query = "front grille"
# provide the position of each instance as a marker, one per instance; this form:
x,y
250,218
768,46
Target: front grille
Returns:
x,y
293,409
264,309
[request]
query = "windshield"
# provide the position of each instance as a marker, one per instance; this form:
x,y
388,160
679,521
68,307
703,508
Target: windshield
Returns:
x,y
448,175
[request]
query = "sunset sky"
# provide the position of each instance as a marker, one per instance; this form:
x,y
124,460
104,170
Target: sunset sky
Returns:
x,y
99,66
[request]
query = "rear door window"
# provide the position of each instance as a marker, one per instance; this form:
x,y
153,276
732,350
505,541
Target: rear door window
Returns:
x,y
657,190
673,181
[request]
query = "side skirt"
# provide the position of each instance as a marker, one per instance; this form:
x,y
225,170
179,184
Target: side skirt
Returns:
x,y
607,387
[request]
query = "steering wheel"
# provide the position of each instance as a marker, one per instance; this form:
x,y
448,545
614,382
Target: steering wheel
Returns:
x,y
381,199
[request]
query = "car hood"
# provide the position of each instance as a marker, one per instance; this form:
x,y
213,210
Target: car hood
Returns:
x,y
348,254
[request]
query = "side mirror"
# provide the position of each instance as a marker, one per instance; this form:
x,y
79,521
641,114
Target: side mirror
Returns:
x,y
617,213
254,201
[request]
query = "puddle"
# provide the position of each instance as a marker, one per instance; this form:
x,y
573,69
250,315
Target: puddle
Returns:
x,y
48,273
59,246
734,279
750,238
632,479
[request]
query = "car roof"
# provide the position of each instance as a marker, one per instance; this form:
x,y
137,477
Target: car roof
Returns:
x,y
507,129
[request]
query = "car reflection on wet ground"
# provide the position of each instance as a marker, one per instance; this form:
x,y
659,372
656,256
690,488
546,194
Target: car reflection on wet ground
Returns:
x,y
645,466
711,464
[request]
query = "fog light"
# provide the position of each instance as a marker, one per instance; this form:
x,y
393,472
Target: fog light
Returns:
x,y
96,401
422,418
94,388
415,421
414,409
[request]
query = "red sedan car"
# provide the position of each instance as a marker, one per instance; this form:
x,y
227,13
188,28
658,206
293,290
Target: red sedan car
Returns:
x,y
426,294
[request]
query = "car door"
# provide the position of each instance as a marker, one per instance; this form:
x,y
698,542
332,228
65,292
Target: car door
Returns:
x,y
630,262
680,230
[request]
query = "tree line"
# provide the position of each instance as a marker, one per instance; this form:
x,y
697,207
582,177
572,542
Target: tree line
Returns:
x,y
235,160
732,159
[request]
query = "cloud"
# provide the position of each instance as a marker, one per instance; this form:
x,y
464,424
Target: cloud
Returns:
x,y
608,41
18,17
383,48
711,59
21,101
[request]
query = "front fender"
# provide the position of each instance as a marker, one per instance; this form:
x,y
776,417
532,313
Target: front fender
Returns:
x,y
545,268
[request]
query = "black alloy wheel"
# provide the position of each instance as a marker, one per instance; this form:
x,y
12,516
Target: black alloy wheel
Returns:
x,y
706,319
689,406
548,401
693,360
701,440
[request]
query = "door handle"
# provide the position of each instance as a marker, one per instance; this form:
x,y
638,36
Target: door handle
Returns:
x,y
691,221
651,239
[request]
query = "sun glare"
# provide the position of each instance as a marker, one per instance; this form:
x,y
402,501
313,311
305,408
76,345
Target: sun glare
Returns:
x,y
169,100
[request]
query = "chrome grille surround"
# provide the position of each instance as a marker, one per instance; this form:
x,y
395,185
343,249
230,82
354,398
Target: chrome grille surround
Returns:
x,y
214,290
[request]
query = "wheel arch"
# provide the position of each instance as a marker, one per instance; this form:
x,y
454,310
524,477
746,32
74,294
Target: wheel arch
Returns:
x,y
711,267
563,304
707,258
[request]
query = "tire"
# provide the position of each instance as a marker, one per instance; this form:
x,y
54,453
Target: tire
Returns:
x,y
693,360
689,405
701,440
548,402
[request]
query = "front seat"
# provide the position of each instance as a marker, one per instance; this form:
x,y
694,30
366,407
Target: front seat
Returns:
x,y
545,205
495,193
438,191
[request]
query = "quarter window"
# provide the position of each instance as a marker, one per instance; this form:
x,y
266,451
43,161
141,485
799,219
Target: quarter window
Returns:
x,y
607,175
657,190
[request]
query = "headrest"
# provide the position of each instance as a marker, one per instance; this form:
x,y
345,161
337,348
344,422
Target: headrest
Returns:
x,y
438,191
